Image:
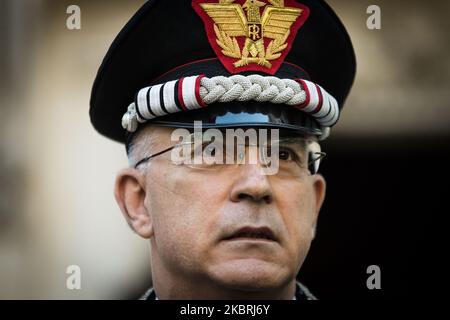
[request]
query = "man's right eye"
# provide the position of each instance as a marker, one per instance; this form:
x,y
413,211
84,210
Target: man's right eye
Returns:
x,y
210,150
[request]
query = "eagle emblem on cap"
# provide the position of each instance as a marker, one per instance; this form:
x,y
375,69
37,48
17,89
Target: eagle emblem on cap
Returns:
x,y
251,34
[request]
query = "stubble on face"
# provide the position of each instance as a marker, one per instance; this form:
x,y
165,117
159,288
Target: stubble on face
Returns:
x,y
192,213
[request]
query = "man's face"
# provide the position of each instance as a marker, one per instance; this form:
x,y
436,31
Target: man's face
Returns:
x,y
243,230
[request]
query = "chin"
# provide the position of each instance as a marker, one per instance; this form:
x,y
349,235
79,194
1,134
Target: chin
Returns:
x,y
251,275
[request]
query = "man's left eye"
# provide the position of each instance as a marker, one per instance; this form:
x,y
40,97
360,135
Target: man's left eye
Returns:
x,y
286,155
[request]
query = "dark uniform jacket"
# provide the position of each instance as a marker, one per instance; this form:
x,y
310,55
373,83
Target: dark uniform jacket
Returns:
x,y
301,293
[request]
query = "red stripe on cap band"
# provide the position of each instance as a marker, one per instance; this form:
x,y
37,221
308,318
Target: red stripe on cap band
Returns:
x,y
180,94
319,105
197,91
305,87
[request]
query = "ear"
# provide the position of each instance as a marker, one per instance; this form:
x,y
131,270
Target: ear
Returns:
x,y
129,191
319,188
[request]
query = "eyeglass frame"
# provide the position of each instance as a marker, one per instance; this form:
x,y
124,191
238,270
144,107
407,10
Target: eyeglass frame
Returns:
x,y
143,160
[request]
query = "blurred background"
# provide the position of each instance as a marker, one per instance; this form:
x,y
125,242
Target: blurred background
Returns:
x,y
56,173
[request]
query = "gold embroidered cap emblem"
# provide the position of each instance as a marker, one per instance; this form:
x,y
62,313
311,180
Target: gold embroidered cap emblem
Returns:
x,y
251,34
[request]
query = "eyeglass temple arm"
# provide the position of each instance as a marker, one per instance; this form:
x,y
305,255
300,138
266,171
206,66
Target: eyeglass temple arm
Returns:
x,y
152,156
311,162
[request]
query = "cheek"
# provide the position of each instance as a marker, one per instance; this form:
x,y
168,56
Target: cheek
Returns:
x,y
298,213
183,208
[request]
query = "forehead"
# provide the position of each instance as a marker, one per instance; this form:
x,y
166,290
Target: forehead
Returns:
x,y
159,136
164,133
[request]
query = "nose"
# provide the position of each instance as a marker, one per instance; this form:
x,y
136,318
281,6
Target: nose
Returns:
x,y
252,185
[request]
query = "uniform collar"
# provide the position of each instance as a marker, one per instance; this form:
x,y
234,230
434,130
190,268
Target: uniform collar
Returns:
x,y
301,293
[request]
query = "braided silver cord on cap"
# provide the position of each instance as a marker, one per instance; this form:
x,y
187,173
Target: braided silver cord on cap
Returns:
x,y
150,100
253,87
129,119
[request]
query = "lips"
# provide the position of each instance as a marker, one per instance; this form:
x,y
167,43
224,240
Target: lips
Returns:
x,y
252,233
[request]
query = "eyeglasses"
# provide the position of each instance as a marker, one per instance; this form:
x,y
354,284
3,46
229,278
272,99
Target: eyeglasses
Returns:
x,y
286,156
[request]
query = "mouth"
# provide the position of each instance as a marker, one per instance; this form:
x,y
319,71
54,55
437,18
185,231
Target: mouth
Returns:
x,y
250,233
